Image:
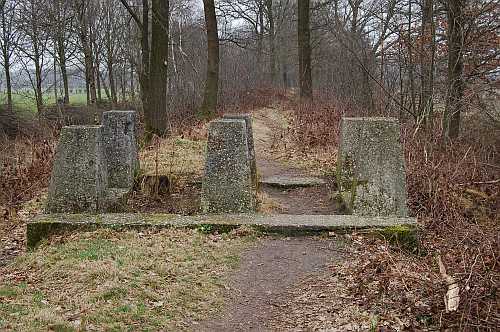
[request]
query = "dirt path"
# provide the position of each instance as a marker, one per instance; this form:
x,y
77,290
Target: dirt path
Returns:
x,y
268,124
259,289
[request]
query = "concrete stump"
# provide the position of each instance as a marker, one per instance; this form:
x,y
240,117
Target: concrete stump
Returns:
x,y
371,173
250,143
227,184
120,147
79,178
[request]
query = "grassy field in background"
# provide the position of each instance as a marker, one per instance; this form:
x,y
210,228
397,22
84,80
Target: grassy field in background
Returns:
x,y
25,101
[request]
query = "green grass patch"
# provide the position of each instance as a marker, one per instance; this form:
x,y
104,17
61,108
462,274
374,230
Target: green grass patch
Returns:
x,y
119,281
25,102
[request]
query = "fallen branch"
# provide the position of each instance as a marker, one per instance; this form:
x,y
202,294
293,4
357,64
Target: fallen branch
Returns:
x,y
481,182
452,297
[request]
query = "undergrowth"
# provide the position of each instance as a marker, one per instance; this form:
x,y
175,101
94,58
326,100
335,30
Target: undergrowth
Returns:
x,y
453,189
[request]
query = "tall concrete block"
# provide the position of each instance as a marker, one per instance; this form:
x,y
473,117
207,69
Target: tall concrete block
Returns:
x,y
120,147
371,171
227,184
250,143
79,177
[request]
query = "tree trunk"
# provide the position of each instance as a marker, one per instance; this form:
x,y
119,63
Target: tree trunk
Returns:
x,y
427,60
6,61
411,69
105,87
123,83
89,69
112,83
38,78
155,115
132,83
209,106
304,38
454,98
145,50
260,33
272,47
98,80
8,82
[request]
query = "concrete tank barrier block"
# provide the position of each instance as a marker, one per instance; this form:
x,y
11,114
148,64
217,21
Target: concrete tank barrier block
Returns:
x,y
79,178
250,140
227,184
120,147
371,173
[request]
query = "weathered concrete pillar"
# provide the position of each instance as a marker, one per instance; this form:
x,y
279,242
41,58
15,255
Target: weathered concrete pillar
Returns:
x,y
79,178
120,147
371,171
227,184
250,143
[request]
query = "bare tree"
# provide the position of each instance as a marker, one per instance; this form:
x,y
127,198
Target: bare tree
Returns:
x,y
61,19
427,53
33,46
455,88
8,40
304,43
156,114
209,104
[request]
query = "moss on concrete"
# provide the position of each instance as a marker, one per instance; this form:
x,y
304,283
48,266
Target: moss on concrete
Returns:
x,y
44,226
403,236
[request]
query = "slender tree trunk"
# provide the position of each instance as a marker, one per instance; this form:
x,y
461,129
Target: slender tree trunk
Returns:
x,y
260,33
105,87
272,47
427,60
155,115
54,70
145,51
132,83
38,79
209,106
112,84
454,98
123,84
89,68
304,38
8,81
6,59
61,50
411,69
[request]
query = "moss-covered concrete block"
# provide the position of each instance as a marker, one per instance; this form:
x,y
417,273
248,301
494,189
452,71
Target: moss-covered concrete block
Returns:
x,y
79,177
371,172
228,186
120,147
250,143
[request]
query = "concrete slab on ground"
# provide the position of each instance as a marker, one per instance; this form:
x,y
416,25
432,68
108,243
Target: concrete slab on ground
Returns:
x,y
286,181
45,225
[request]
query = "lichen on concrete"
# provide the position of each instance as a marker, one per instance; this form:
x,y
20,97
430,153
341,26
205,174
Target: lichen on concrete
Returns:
x,y
79,176
371,172
227,184
250,143
45,225
120,147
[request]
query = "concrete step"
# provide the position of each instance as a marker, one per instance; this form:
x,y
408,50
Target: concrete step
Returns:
x,y
291,181
45,225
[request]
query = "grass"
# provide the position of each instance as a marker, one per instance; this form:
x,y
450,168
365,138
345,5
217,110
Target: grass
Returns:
x,y
175,155
25,101
118,281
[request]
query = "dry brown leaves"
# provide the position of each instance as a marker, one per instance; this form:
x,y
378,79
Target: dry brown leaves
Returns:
x,y
373,287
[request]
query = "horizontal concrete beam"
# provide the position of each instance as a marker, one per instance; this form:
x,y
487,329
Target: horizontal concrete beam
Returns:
x,y
45,225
